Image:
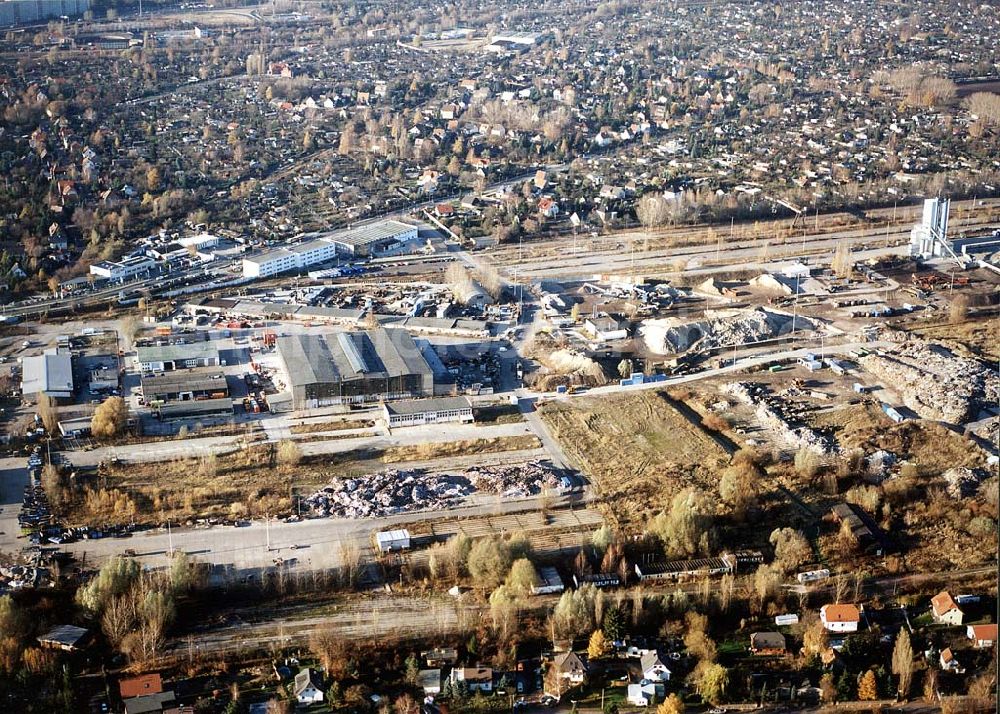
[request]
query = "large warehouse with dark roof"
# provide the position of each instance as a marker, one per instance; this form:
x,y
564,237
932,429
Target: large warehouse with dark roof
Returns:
x,y
351,367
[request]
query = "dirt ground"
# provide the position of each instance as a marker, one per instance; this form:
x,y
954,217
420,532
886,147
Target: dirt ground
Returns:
x,y
980,338
637,449
343,424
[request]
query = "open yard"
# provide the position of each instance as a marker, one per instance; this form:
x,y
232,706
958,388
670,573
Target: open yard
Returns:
x,y
638,449
252,482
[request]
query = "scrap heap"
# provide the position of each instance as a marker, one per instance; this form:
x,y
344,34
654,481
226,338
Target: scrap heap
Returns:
x,y
388,492
514,480
936,383
398,491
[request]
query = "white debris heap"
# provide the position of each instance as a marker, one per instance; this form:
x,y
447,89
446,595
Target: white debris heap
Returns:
x,y
936,383
722,329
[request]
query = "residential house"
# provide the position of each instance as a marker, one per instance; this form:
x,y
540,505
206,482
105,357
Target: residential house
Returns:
x,y
642,695
944,609
767,643
570,667
142,685
68,638
840,618
653,668
308,687
477,679
949,663
548,207
430,681
151,703
440,656
982,636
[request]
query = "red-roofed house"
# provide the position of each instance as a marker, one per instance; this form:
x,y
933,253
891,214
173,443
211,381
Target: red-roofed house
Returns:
x,y
140,686
548,207
982,636
944,609
840,617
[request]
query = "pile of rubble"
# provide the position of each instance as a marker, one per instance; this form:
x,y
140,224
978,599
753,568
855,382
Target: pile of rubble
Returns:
x,y
962,482
16,577
936,383
388,492
878,464
723,329
768,410
514,480
397,491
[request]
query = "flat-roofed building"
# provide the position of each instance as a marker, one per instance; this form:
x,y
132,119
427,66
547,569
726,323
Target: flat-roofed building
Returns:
x,y
361,241
124,269
414,412
366,240
354,367
164,358
50,374
184,385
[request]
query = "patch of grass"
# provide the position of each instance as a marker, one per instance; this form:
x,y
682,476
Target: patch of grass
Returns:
x,y
424,452
499,414
636,448
340,425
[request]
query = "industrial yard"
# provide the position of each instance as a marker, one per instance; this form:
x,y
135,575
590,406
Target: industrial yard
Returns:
x,y
371,357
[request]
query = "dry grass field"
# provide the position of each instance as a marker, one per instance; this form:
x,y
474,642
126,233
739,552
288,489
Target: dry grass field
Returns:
x,y
340,425
979,338
934,529
637,449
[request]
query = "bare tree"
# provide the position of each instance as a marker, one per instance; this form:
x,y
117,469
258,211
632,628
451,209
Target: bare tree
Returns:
x,y
902,662
652,210
48,413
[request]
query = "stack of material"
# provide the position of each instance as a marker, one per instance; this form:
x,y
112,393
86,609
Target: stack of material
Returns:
x,y
514,480
877,465
388,492
768,410
936,383
723,329
962,482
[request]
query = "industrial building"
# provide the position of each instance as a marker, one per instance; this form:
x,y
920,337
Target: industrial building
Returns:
x,y
50,374
185,385
414,412
201,409
128,268
357,242
164,358
353,367
392,541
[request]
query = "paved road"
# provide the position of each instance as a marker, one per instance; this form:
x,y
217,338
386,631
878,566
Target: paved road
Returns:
x,y
321,544
199,446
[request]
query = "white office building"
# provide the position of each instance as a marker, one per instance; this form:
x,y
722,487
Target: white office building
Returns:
x,y
122,270
350,243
